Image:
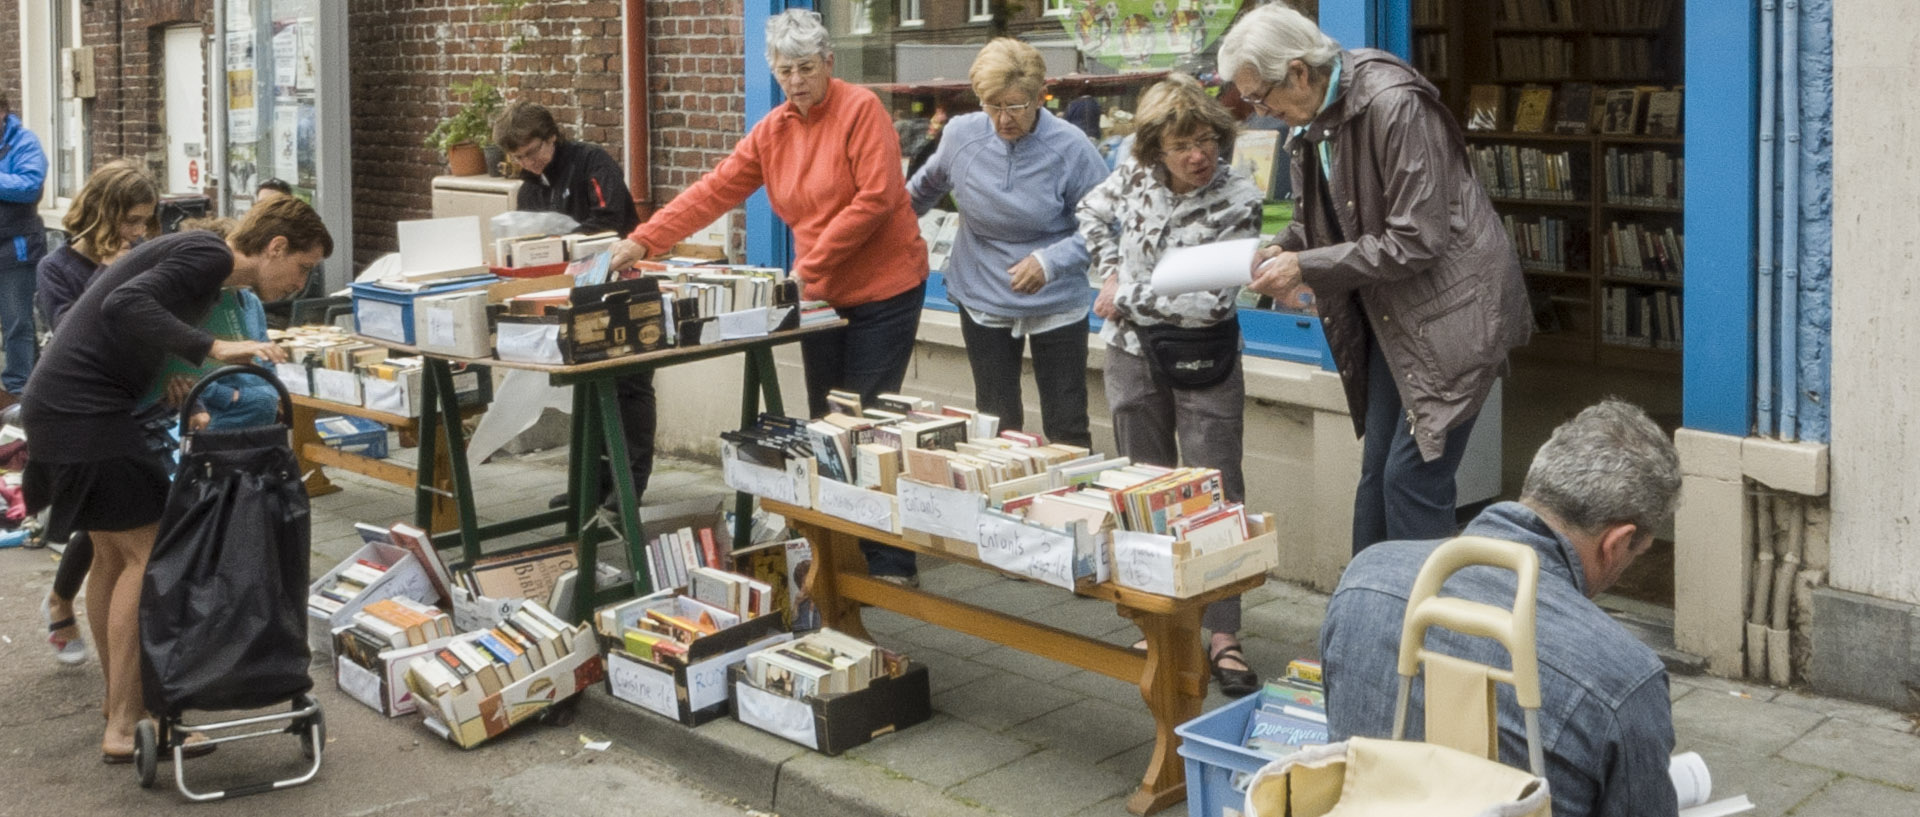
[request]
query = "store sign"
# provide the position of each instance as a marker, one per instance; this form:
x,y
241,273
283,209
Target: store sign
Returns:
x,y
1137,34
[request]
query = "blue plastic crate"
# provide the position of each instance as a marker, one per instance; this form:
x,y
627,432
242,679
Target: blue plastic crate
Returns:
x,y
937,293
1211,746
353,435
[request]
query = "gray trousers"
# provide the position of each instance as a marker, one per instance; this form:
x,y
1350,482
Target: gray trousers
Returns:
x,y
1156,424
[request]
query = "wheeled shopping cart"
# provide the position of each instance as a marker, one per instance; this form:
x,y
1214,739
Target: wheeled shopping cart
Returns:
x,y
1457,772
223,607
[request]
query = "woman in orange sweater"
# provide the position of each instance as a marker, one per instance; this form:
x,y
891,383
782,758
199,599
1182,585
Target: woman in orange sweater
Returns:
x,y
830,161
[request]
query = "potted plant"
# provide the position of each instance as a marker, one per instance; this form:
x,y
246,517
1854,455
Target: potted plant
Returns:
x,y
463,135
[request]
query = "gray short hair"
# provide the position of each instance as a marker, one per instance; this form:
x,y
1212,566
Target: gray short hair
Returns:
x,y
1608,465
1271,37
797,34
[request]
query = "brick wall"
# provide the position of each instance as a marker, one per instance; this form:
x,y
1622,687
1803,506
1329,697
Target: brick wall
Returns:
x,y
696,90
10,52
405,55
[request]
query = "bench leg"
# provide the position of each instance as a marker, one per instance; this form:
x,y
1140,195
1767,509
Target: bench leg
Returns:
x,y
304,433
1174,685
834,553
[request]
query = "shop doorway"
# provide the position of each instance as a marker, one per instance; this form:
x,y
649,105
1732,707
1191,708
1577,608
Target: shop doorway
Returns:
x,y
185,83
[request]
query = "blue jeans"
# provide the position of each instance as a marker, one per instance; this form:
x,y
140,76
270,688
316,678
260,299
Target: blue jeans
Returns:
x,y
869,356
16,323
1401,496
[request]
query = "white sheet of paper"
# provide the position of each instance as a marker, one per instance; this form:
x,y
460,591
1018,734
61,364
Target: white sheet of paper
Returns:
x,y
294,377
707,680
637,683
782,716
1011,544
379,319
858,505
948,512
336,385
1205,266
759,480
1143,561
528,342
432,244
1720,808
745,323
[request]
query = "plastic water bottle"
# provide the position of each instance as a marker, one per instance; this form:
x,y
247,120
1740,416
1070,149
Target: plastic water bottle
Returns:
x,y
13,538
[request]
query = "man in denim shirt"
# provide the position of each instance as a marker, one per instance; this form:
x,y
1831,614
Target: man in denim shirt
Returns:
x,y
1595,494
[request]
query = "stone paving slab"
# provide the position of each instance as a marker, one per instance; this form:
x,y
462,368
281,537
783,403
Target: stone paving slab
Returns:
x,y
1853,797
1775,786
1000,700
1089,730
1752,726
944,751
1880,755
1045,785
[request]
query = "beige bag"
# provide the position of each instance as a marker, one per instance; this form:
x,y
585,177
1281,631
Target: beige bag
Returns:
x,y
1458,772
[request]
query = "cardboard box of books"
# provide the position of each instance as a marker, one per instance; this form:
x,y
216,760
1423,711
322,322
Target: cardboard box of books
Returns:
x,y
1071,556
684,680
600,321
372,652
480,684
861,506
1212,550
376,571
396,387
830,692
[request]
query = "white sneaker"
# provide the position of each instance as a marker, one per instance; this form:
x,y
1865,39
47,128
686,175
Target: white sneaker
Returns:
x,y
69,651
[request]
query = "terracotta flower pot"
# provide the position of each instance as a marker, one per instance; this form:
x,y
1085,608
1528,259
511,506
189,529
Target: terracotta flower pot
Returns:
x,y
466,159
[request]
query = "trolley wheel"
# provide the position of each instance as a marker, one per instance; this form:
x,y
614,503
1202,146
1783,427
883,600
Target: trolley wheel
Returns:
x,y
146,751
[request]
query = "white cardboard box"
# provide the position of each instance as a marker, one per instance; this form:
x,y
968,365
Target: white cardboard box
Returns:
x,y
403,577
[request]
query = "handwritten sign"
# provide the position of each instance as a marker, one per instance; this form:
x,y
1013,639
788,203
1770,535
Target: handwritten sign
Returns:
x,y
294,377
773,483
858,505
948,512
636,683
338,386
1039,552
471,612
707,680
1143,561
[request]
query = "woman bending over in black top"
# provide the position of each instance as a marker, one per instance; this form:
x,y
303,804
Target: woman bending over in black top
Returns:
x,y
88,461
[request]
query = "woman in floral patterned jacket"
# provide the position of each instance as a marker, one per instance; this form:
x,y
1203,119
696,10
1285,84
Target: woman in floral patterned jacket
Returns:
x,y
1173,376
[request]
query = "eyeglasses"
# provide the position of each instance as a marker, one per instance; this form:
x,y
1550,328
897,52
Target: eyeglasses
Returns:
x,y
1209,145
1259,100
998,111
527,153
804,70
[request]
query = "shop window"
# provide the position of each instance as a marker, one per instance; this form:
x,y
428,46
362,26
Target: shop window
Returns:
x,y
1058,8
979,10
910,14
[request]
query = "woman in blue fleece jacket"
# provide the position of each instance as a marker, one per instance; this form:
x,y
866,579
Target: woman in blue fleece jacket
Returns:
x,y
1018,267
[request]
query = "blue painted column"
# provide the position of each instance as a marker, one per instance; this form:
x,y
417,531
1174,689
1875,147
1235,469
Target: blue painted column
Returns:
x,y
769,242
1815,317
1722,121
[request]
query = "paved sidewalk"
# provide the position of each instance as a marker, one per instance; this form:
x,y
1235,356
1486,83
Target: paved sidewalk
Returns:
x,y
1020,735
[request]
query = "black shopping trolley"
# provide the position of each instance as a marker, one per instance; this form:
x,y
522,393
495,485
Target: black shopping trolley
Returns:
x,y
223,621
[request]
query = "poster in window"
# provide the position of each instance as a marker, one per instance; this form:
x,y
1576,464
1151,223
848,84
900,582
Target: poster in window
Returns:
x,y
286,154
1138,34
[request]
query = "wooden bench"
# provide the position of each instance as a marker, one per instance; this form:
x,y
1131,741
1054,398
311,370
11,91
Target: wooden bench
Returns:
x,y
1172,674
314,454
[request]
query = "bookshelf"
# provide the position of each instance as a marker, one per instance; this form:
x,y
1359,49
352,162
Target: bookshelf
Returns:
x,y
1572,115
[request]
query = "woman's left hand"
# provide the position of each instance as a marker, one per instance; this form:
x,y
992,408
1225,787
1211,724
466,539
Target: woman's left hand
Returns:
x,y
1028,276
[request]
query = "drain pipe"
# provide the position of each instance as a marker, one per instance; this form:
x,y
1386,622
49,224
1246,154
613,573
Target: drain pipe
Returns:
x,y
1763,288
639,139
1779,637
1790,223
1757,601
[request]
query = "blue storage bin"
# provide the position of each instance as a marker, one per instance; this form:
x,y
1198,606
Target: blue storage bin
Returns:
x,y
937,293
1211,746
1287,336
353,435
387,314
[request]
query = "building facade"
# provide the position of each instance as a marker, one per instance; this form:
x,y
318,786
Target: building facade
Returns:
x,y
1796,554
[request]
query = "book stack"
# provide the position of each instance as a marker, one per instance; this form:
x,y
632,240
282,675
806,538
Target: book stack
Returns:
x,y
1292,714
493,659
1544,243
543,250
673,556
821,663
345,585
1644,252
391,624
1641,317
741,595
1154,505
1515,172
1646,178
661,626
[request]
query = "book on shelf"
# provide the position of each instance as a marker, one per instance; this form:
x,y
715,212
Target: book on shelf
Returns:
x,y
1486,107
1622,111
1575,109
1663,113
1535,105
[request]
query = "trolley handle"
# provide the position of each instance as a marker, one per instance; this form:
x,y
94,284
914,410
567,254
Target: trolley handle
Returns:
x,y
193,395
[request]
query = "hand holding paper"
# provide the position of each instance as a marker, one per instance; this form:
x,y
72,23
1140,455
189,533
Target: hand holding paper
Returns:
x,y
1218,265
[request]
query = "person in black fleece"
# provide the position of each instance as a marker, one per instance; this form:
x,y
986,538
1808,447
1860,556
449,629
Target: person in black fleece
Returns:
x,y
580,180
88,461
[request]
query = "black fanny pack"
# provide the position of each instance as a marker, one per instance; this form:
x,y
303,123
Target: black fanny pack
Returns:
x,y
1191,358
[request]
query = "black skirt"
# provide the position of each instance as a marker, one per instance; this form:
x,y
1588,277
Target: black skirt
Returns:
x,y
104,495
